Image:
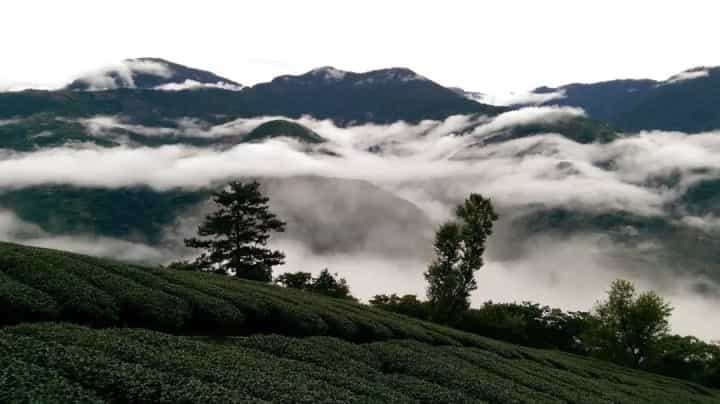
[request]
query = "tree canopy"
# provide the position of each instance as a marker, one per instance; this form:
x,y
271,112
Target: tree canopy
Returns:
x,y
325,283
234,237
629,326
459,248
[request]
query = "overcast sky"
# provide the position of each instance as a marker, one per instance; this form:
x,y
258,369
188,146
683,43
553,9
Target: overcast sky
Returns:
x,y
490,46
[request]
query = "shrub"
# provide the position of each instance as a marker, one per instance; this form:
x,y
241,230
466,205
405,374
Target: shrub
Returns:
x,y
23,303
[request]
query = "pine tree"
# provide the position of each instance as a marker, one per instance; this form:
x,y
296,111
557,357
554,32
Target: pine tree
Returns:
x,y
234,237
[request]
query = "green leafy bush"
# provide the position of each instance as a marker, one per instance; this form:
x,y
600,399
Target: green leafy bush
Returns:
x,y
42,362
24,303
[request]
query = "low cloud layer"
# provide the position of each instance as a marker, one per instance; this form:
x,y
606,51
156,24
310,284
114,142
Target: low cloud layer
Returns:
x,y
409,177
196,85
520,98
629,174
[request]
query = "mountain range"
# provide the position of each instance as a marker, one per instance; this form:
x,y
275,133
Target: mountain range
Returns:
x,y
142,91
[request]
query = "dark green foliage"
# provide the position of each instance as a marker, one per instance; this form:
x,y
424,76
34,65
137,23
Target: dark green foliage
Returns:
x,y
27,304
295,280
77,300
528,324
207,313
124,365
234,237
532,325
627,327
325,283
687,358
332,286
408,305
139,305
23,382
459,248
400,359
281,127
94,291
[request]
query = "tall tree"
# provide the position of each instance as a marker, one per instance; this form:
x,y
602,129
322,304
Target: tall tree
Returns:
x,y
629,326
235,236
459,248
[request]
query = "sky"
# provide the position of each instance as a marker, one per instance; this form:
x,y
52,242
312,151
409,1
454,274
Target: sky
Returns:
x,y
490,46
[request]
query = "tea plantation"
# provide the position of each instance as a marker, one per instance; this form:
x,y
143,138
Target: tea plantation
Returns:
x,y
79,329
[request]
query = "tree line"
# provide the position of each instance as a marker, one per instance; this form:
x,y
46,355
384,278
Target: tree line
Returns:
x,y
627,328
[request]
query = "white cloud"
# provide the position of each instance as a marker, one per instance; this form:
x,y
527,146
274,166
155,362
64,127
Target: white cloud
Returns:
x,y
432,167
195,85
527,116
688,75
570,273
545,169
5,122
120,75
708,223
14,86
101,125
521,98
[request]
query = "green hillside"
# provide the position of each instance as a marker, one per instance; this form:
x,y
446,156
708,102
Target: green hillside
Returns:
x,y
282,127
97,330
581,130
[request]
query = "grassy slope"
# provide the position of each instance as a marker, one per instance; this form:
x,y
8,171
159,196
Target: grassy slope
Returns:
x,y
323,350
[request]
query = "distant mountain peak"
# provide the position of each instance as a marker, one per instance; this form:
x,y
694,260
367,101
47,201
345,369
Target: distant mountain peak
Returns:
x,y
328,73
283,128
150,73
396,74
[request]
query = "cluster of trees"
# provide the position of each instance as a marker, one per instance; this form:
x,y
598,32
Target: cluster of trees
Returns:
x,y
325,283
627,328
234,239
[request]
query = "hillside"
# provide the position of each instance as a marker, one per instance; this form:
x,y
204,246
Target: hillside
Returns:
x,y
282,127
190,337
684,102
